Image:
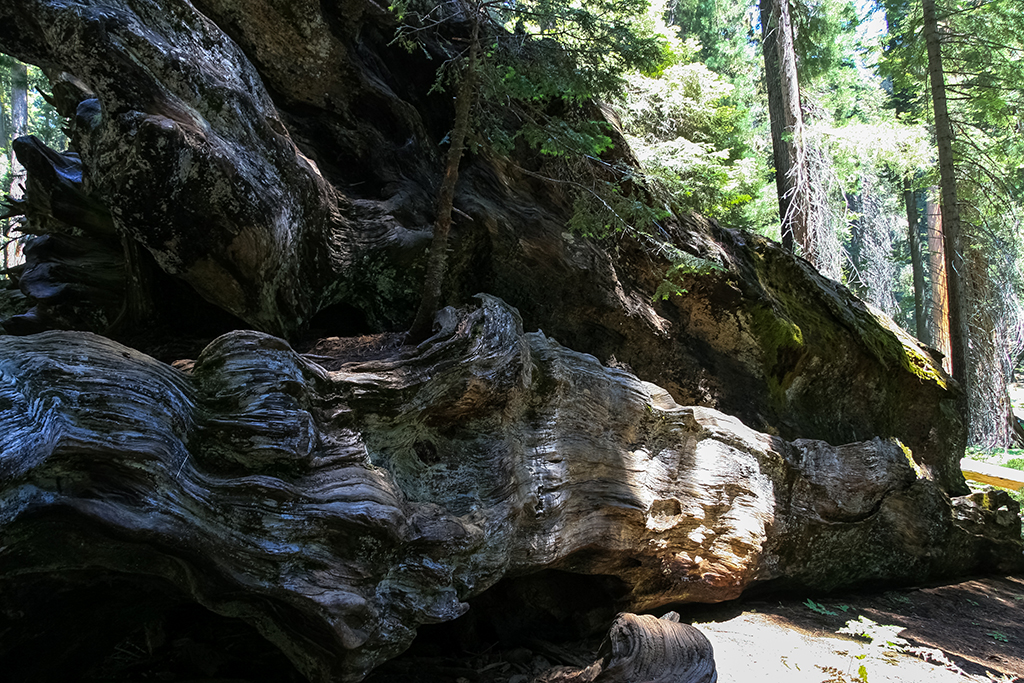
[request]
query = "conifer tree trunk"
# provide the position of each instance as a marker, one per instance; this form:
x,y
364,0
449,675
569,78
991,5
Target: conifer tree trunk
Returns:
x,y
855,205
5,139
950,208
791,176
916,263
990,407
19,127
19,123
773,77
5,160
437,263
937,268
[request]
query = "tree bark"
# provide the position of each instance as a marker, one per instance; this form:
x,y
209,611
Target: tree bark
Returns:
x,y
19,127
949,204
916,263
5,141
19,123
248,220
337,511
437,264
648,649
857,280
773,85
791,174
939,297
991,423
5,161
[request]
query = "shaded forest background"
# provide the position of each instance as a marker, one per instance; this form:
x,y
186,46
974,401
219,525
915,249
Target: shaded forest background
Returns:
x,y
700,126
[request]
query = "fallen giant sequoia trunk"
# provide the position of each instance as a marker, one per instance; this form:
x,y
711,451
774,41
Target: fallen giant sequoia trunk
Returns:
x,y
279,160
281,157
338,511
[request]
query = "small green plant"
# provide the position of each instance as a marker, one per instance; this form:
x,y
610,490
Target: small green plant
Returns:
x,y
1009,457
879,634
820,609
684,264
996,635
837,676
895,597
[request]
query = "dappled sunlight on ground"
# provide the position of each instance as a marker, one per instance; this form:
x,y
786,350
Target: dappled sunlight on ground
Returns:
x,y
970,631
755,647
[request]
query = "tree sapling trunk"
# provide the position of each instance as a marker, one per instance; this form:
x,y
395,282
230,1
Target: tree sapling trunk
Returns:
x,y
437,263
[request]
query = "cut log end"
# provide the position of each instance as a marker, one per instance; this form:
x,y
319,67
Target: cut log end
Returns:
x,y
645,649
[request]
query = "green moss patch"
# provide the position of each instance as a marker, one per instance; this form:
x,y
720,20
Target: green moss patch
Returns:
x,y
782,347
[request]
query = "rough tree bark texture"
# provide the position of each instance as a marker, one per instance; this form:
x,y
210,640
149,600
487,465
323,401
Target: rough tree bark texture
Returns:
x,y
193,159
916,263
243,216
937,268
791,177
278,159
648,649
338,511
954,262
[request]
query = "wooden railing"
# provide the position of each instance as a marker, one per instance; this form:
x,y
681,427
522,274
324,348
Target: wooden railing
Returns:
x,y
1003,477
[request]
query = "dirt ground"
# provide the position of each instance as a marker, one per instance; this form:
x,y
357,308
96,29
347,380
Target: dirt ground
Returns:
x,y
967,631
973,630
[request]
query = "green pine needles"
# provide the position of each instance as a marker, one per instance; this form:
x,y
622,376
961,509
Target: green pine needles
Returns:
x,y
541,70
542,63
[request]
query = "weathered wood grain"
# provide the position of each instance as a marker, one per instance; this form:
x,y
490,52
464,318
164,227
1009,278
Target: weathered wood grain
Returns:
x,y
282,157
337,511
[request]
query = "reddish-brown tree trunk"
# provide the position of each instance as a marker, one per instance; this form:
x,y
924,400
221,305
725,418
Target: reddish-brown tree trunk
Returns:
x,y
950,209
939,291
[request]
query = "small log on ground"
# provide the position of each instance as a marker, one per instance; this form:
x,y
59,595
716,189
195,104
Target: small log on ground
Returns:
x,y
645,649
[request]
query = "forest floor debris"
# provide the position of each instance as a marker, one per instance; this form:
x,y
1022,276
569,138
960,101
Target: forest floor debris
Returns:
x,y
972,631
969,631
